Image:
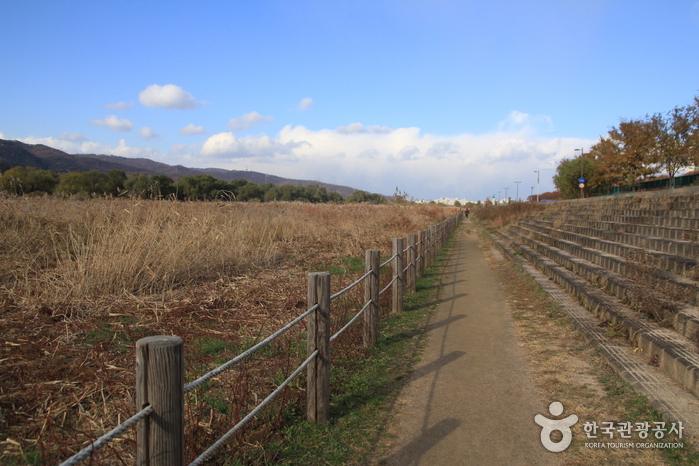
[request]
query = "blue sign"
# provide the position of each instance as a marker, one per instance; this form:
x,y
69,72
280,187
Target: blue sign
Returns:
x,y
581,180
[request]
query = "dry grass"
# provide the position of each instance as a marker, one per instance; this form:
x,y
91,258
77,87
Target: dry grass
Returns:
x,y
500,216
81,281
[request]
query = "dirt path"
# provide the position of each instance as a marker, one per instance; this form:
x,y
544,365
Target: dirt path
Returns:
x,y
471,400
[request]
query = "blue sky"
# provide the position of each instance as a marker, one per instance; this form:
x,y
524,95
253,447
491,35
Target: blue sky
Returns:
x,y
438,98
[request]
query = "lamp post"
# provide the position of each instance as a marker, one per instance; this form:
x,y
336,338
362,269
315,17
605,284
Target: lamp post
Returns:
x,y
517,197
537,184
508,200
582,152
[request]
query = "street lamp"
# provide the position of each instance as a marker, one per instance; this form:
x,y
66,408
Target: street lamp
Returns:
x,y
582,152
537,185
508,200
517,197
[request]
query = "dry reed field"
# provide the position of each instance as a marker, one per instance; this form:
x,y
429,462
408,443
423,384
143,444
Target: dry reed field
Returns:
x,y
82,280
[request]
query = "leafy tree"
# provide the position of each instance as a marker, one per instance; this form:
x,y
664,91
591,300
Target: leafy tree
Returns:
x,y
25,180
626,153
199,187
334,197
673,140
96,182
249,192
115,181
71,183
161,186
137,186
362,196
568,175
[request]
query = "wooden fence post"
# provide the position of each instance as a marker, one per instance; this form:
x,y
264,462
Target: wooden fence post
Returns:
x,y
318,370
420,253
371,294
429,247
397,287
411,280
160,383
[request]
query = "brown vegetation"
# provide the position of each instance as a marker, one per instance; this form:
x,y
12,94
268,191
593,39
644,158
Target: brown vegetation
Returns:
x,y
81,281
503,215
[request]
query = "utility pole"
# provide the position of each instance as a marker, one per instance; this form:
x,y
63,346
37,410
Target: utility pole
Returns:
x,y
537,184
517,197
508,201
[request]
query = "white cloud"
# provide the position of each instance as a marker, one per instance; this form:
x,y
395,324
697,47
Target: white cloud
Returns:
x,y
379,159
60,144
226,145
119,106
306,103
408,153
168,97
73,137
90,147
523,122
248,120
191,130
360,128
148,133
125,151
2,136
114,123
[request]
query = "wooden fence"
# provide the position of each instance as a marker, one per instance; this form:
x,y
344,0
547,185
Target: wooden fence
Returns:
x,y
160,385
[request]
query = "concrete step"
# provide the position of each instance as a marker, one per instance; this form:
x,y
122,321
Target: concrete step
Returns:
x,y
672,352
684,318
688,238
670,255
688,223
666,396
631,263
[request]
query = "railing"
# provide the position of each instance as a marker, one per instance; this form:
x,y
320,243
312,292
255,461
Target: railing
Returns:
x,y
160,385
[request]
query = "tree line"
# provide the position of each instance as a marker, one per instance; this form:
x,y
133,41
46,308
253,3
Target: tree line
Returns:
x,y
634,151
32,181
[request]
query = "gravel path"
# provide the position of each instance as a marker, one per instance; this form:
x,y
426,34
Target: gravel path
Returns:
x,y
471,400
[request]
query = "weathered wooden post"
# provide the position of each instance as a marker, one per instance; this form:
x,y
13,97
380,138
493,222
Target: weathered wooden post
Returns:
x,y
397,287
429,248
318,370
421,252
371,294
410,279
160,383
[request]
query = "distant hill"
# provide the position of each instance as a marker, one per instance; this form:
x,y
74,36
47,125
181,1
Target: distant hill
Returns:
x,y
16,153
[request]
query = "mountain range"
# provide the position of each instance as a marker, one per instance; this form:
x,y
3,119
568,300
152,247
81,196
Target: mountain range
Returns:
x,y
16,153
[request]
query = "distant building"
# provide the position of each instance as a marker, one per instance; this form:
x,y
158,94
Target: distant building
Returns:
x,y
445,201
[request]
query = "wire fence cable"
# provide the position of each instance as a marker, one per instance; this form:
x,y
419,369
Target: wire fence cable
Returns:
x,y
192,385
348,324
390,259
209,451
115,433
359,280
